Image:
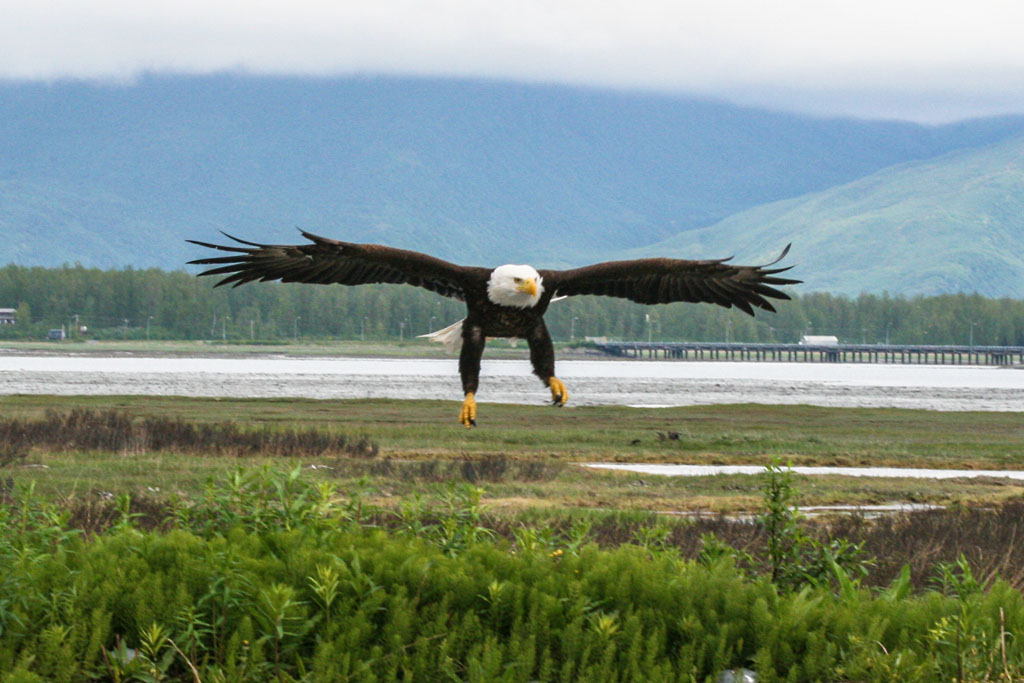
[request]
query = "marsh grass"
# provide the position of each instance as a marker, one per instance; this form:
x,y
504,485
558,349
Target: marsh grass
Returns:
x,y
418,448
717,434
88,456
472,470
990,538
482,552
83,429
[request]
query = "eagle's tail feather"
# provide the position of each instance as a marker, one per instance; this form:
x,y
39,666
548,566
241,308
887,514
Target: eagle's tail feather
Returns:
x,y
450,336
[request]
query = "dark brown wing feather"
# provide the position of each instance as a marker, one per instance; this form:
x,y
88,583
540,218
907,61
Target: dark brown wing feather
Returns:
x,y
327,261
662,281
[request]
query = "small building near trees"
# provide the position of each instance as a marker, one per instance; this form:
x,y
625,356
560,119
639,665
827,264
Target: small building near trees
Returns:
x,y
8,316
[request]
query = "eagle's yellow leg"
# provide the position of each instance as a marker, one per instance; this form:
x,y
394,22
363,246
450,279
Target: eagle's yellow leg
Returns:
x,y
559,394
468,415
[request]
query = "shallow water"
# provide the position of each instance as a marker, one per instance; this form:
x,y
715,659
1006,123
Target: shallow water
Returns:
x,y
892,472
590,382
866,511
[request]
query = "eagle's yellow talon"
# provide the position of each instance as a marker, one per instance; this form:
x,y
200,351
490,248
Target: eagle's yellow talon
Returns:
x,y
468,415
559,394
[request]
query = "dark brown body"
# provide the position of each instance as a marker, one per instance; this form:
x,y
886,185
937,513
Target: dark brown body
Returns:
x,y
485,318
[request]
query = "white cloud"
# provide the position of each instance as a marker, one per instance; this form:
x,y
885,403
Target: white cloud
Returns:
x,y
870,57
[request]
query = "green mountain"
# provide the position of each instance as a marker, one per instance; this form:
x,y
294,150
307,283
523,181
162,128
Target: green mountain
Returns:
x,y
950,224
473,171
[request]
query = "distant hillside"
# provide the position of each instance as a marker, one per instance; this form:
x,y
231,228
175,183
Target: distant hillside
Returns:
x,y
477,172
954,223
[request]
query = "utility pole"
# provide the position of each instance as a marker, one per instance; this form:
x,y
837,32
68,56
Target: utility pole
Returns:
x,y
295,327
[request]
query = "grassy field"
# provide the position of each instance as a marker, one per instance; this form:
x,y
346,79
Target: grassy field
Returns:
x,y
156,538
528,456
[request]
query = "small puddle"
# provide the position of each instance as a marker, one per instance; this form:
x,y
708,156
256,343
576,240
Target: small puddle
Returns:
x,y
865,511
892,472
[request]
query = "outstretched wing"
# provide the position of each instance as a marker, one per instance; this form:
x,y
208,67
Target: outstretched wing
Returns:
x,y
326,261
662,281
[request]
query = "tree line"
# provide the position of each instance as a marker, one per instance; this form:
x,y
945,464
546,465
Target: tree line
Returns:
x,y
157,304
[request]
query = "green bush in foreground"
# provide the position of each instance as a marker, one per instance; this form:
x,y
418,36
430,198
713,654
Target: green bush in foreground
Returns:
x,y
273,577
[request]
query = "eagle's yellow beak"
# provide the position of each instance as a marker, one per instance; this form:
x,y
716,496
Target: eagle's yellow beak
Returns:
x,y
529,286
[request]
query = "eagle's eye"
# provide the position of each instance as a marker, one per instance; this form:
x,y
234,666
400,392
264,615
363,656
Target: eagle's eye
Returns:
x,y
518,280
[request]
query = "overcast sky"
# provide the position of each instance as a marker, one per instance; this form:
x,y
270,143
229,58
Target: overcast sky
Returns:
x,y
927,60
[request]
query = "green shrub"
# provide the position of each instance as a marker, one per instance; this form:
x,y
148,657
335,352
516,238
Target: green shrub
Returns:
x,y
796,559
271,576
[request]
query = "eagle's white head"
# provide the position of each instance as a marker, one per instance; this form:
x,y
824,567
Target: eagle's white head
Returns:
x,y
518,286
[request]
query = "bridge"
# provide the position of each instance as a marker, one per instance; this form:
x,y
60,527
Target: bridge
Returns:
x,y
911,354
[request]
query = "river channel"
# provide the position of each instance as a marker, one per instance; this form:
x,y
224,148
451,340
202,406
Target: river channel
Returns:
x,y
590,382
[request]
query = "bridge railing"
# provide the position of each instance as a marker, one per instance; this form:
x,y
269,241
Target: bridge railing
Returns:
x,y
916,354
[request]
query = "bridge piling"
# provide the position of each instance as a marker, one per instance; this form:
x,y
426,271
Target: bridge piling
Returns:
x,y
907,354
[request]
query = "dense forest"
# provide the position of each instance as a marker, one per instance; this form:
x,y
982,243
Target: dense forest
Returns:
x,y
156,304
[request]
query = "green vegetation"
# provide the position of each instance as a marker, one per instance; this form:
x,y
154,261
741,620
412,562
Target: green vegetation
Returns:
x,y
945,224
712,434
526,455
153,304
272,576
169,539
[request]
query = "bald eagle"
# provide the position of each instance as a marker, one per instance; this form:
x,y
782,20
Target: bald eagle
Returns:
x,y
507,301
